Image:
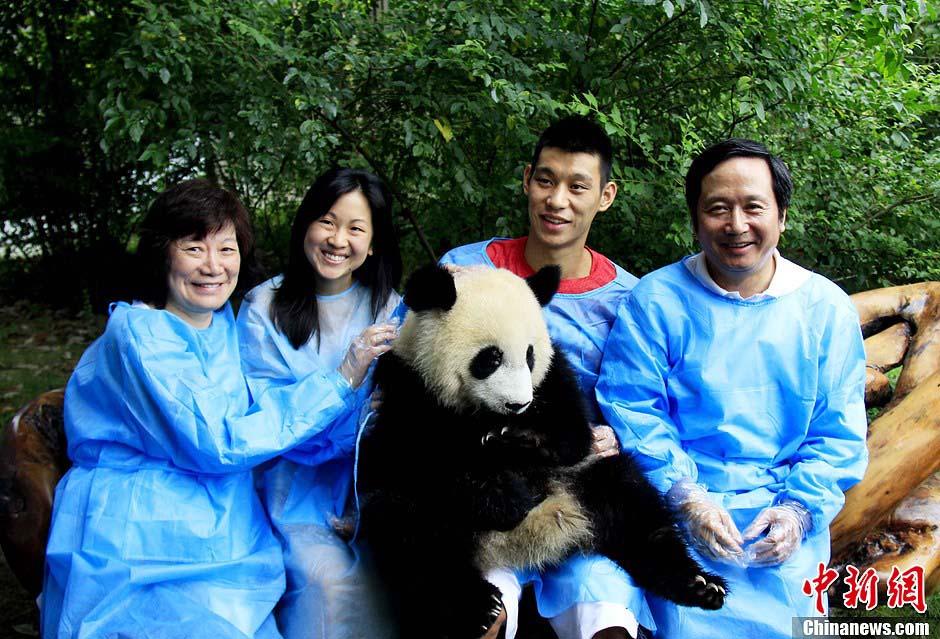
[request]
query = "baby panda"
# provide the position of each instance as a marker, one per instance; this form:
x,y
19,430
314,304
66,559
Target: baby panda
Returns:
x,y
479,458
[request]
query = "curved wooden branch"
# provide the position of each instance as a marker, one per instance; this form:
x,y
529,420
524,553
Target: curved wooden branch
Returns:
x,y
907,434
884,351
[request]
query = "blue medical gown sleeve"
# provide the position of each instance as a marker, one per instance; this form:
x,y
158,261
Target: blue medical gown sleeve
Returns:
x,y
266,369
183,414
632,395
833,456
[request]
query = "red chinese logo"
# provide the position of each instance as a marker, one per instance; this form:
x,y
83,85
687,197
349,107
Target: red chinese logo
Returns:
x,y
863,588
905,587
818,586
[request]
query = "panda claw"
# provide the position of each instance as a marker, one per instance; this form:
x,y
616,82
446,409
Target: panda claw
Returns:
x,y
504,431
716,588
700,579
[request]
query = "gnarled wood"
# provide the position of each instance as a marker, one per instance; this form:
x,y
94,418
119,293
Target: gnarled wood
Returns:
x,y
909,537
892,516
918,304
32,460
884,351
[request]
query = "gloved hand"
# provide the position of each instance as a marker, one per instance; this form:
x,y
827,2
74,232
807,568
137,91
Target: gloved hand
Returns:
x,y
786,524
604,442
710,526
364,348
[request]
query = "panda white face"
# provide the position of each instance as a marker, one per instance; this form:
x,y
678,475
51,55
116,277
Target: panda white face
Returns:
x,y
484,345
500,381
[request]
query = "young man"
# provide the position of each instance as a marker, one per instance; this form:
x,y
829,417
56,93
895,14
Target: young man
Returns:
x,y
738,379
568,184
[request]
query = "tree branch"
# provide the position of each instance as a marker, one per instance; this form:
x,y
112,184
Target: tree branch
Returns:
x,y
406,210
649,37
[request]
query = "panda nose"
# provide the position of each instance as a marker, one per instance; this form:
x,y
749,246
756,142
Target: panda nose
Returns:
x,y
516,408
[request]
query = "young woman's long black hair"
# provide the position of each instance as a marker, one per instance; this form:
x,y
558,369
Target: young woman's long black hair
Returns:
x,y
294,309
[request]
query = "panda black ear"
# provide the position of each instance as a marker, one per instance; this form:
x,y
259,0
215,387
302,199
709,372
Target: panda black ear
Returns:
x,y
545,283
431,286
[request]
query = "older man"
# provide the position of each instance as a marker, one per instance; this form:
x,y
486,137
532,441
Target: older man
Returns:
x,y
737,377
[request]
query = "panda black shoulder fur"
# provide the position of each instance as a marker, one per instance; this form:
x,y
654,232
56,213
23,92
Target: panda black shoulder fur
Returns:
x,y
478,459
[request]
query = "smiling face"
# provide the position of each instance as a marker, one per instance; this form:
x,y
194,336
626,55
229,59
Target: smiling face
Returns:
x,y
202,275
738,224
565,193
338,243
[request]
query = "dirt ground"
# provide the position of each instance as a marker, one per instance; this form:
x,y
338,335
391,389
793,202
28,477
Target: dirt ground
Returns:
x,y
18,612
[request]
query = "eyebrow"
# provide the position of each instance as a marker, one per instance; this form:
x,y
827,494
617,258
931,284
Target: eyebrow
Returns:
x,y
582,177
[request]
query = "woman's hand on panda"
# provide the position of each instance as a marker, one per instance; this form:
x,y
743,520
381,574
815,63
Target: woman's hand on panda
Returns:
x,y
364,348
604,442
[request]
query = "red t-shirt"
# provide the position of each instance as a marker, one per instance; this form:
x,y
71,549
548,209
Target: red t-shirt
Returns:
x,y
510,255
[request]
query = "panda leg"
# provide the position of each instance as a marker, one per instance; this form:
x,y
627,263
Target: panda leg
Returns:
x,y
634,526
434,597
458,603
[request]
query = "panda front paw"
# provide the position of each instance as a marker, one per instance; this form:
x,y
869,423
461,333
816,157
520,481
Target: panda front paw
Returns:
x,y
707,591
520,442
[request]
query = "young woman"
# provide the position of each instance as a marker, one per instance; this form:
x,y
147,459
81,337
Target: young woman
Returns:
x,y
333,301
157,530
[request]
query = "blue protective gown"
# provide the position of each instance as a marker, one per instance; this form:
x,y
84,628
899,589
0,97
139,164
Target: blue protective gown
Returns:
x,y
758,401
579,324
328,593
157,530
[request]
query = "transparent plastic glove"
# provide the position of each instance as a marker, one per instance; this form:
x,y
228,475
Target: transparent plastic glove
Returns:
x,y
710,526
785,524
364,348
604,442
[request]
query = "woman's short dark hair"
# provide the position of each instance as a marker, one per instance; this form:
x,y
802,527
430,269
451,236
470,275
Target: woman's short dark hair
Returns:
x,y
714,155
194,208
294,310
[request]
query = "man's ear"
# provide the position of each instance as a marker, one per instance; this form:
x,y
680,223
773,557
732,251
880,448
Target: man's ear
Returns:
x,y
608,193
429,287
783,220
526,176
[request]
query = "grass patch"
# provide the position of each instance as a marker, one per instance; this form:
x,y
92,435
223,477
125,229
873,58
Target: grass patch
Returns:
x,y
39,348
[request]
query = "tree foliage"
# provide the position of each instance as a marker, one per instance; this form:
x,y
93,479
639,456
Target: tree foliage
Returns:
x,y
106,102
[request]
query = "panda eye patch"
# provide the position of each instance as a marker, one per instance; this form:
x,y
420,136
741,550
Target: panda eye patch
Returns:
x,y
530,357
486,362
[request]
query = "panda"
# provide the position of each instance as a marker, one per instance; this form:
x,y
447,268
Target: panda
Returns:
x,y
479,458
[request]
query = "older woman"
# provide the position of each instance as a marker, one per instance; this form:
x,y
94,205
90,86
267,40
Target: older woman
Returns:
x,y
157,530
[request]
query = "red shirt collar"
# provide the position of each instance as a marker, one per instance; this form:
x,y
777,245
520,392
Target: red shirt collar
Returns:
x,y
510,255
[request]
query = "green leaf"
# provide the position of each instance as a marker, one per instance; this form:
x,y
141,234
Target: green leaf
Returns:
x,y
445,130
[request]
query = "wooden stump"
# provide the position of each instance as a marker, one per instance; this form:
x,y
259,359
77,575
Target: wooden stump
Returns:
x,y
892,517
32,460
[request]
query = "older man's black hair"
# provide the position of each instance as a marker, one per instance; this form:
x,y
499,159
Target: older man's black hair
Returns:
x,y
714,155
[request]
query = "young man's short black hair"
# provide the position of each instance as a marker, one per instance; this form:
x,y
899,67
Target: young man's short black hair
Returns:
x,y
577,134
714,155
